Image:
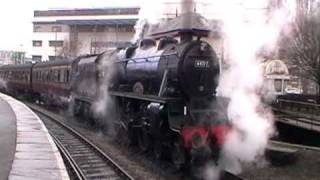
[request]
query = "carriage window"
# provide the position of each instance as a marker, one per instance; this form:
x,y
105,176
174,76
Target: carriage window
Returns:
x,y
58,76
44,76
50,75
67,76
61,72
47,74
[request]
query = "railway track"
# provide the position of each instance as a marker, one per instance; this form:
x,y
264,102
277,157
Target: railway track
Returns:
x,y
295,146
86,160
225,175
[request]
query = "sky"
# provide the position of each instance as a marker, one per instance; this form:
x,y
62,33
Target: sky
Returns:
x,y
16,17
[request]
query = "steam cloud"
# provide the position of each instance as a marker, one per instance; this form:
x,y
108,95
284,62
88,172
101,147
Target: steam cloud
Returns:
x,y
3,84
104,106
246,32
150,13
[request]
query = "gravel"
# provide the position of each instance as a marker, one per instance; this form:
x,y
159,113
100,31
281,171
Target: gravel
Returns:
x,y
137,164
306,164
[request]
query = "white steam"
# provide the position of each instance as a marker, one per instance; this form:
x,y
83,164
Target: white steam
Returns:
x,y
3,84
150,13
104,105
248,27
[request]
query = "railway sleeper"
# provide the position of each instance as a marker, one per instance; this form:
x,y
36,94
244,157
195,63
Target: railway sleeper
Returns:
x,y
106,171
96,165
103,175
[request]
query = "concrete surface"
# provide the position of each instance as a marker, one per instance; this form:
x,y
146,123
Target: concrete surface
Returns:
x,y
8,131
36,156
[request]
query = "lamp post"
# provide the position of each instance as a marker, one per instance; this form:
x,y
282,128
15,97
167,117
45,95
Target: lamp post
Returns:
x,y
55,46
21,54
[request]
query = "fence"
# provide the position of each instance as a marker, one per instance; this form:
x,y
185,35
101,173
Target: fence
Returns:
x,y
298,108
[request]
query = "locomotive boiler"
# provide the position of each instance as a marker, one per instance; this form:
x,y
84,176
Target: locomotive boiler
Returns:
x,y
169,69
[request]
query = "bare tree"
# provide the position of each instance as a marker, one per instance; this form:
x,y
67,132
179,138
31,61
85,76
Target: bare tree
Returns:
x,y
304,43
69,50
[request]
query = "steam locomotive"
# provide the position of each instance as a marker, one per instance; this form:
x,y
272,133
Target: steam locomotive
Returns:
x,y
161,94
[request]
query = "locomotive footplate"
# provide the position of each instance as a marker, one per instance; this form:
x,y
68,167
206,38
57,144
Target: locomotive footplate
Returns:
x,y
151,98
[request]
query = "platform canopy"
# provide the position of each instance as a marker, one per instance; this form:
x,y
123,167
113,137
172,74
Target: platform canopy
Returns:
x,y
99,22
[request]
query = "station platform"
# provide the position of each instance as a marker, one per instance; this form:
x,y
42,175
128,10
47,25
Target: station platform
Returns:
x,y
27,150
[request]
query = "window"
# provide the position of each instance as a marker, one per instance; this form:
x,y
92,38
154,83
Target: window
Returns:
x,y
37,58
125,29
56,29
36,43
55,43
61,77
278,85
52,58
36,28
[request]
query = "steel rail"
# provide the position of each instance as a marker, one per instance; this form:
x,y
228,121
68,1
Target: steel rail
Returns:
x,y
297,146
226,175
92,151
76,169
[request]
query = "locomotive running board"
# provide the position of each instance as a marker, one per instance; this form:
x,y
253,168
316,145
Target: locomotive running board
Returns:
x,y
151,98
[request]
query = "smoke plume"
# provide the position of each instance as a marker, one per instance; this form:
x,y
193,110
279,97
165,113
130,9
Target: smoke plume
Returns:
x,y
104,106
247,27
150,14
3,84
153,14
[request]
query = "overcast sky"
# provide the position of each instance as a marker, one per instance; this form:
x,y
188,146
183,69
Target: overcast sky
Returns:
x,y
16,17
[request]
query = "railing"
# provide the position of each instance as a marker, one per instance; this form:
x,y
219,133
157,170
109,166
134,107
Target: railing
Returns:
x,y
311,110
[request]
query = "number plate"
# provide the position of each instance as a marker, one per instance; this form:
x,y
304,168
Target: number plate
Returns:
x,y
201,64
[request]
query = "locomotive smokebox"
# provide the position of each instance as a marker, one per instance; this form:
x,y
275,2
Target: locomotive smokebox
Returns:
x,y
198,69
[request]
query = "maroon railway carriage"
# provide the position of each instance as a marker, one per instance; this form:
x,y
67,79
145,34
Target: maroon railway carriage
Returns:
x,y
51,80
17,78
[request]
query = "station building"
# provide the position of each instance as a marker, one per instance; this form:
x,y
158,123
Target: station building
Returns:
x,y
66,33
276,76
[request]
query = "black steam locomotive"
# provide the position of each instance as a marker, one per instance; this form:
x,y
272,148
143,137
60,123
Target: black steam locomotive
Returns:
x,y
161,94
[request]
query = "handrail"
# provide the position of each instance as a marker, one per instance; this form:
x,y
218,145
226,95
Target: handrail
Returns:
x,y
145,58
308,109
298,102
